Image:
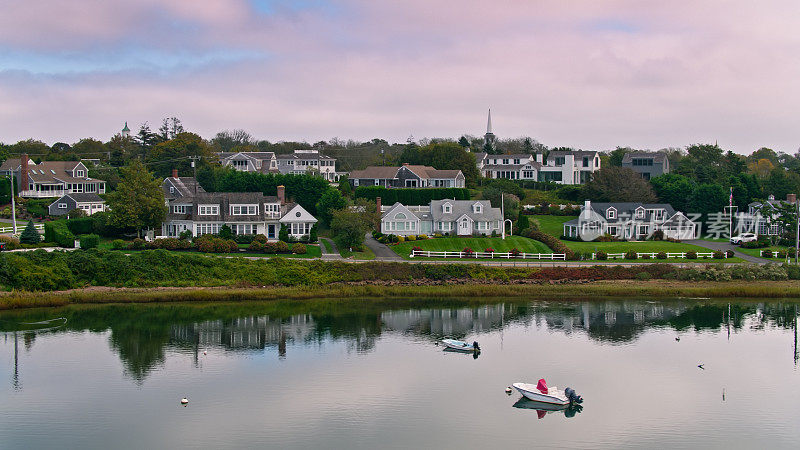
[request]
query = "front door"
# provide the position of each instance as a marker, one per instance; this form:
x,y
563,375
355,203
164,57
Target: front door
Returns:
x,y
463,227
271,231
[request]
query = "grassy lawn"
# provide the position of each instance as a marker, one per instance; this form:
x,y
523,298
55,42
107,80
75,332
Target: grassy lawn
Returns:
x,y
641,247
774,249
366,254
456,244
552,225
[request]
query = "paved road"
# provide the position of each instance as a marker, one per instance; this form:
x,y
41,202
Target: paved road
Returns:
x,y
332,255
382,252
724,246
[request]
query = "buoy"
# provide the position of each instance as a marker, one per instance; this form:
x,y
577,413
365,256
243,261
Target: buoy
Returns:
x,y
701,366
508,390
184,401
205,352
678,339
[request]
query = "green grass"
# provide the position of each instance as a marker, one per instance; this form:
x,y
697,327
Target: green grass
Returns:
x,y
364,255
757,252
552,225
456,244
641,247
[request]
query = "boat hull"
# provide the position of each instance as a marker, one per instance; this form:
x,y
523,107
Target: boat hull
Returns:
x,y
529,391
458,345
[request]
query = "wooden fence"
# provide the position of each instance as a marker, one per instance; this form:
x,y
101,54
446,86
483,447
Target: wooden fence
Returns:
x,y
489,255
652,255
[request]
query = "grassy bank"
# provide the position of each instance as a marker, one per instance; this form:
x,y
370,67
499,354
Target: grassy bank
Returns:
x,y
457,244
577,291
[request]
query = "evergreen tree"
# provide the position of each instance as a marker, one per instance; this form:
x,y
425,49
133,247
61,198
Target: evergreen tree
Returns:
x,y
29,234
283,234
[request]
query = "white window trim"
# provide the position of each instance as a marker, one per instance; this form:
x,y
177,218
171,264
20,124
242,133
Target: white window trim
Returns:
x,y
207,210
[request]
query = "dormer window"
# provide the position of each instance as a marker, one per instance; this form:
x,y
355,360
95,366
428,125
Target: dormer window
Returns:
x,y
78,173
477,208
640,213
171,189
611,213
447,208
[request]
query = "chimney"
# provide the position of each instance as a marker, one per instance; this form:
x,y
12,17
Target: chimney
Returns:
x,y
587,205
378,204
791,198
405,164
174,173
282,194
23,172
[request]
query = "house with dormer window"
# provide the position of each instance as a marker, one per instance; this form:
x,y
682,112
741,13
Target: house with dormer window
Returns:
x,y
51,178
451,217
630,221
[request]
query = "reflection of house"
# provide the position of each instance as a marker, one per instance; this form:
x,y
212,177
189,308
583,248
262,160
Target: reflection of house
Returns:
x,y
192,208
88,203
406,176
629,221
647,164
456,217
446,322
51,178
761,217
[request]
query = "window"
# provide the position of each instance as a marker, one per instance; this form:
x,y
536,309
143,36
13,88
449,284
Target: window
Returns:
x,y
208,210
355,182
528,174
611,213
585,161
560,160
180,209
299,229
244,210
640,213
642,162
550,176
646,176
505,161
445,226
206,228
447,208
272,209
62,206
244,228
377,181
612,231
171,190
400,216
477,208
78,173
516,160
643,229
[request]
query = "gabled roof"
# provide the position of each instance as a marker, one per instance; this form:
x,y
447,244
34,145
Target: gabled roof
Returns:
x,y
627,210
376,172
297,213
184,185
85,198
13,164
464,207
247,155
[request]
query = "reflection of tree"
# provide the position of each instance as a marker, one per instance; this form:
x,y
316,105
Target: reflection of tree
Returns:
x,y
141,349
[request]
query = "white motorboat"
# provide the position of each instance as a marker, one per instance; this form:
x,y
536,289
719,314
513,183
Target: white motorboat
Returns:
x,y
551,395
461,345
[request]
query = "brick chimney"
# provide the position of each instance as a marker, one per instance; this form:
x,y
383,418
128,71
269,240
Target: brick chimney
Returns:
x,y
23,172
282,194
174,173
405,164
378,204
791,198
379,214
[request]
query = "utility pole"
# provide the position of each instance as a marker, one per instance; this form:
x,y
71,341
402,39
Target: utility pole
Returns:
x,y
503,214
797,229
194,170
13,205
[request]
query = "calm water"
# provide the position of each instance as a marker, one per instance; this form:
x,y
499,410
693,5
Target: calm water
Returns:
x,y
361,375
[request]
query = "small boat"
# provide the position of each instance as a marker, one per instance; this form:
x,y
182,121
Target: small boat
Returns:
x,y
461,345
541,393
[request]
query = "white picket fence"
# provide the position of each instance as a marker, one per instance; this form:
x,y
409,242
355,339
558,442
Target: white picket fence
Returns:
x,y
700,255
20,227
489,255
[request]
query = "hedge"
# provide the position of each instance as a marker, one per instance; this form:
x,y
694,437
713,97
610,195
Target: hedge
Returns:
x,y
81,225
411,196
551,241
59,233
89,241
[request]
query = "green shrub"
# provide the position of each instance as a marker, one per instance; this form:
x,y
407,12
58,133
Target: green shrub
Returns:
x,y
283,234
691,255
185,235
766,253
118,244
552,242
59,233
661,255
12,243
781,255
137,244
169,244
601,256
729,253
244,238
82,225
299,249
281,247
643,276
630,254
89,241
312,236
225,232
719,254
256,246
411,237
645,256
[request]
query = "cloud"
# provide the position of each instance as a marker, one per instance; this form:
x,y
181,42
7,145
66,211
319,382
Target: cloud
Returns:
x,y
585,74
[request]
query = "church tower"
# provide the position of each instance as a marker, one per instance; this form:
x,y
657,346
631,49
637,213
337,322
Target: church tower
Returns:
x,y
126,132
489,138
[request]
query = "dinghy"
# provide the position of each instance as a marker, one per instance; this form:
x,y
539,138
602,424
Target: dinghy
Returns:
x,y
541,393
461,345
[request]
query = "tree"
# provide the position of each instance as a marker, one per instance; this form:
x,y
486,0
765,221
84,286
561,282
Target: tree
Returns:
x,y
29,234
175,153
500,198
226,140
138,202
761,168
619,184
344,186
350,225
122,149
463,142
331,200
615,158
90,147
170,127
61,147
707,198
146,138
673,189
443,156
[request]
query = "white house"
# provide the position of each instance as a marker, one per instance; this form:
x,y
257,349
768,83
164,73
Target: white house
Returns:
x,y
630,221
51,178
452,217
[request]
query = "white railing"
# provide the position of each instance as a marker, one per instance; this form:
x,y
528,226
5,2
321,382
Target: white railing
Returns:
x,y
42,194
488,255
652,255
20,227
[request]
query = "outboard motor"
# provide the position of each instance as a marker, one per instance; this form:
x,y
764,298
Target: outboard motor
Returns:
x,y
572,396
475,346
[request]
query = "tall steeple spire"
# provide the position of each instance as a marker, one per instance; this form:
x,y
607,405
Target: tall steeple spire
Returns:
x,y
489,137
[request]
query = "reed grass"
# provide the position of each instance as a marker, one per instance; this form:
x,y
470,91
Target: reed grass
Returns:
x,y
479,293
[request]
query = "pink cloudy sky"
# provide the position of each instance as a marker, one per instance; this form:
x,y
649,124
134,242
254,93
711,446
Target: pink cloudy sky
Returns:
x,y
588,74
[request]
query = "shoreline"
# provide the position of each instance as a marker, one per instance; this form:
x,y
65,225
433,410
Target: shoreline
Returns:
x,y
564,290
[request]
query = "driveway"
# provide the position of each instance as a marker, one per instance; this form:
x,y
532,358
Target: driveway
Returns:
x,y
382,252
724,246
332,254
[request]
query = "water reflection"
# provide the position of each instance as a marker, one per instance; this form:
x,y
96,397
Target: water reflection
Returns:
x,y
142,336
542,409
